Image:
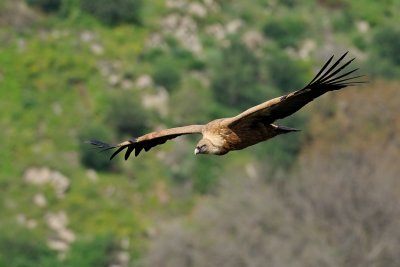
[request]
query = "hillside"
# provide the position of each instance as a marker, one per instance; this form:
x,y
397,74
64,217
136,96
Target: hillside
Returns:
x,y
71,70
340,208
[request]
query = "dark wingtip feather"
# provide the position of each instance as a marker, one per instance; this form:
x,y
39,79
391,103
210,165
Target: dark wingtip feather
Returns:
x,y
129,151
117,151
321,70
334,77
104,146
101,145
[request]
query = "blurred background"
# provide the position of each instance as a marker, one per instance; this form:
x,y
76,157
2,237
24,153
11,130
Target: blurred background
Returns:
x,y
72,70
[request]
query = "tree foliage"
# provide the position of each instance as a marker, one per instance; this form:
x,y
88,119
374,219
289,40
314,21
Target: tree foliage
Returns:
x,y
237,77
114,12
286,31
166,74
127,115
387,43
46,5
285,73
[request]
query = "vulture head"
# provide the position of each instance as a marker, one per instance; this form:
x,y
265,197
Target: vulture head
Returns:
x,y
204,146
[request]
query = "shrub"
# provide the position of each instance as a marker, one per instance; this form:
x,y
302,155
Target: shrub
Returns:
x,y
45,5
167,74
287,31
127,115
22,248
194,104
387,42
384,59
382,67
285,73
99,251
205,175
343,21
91,157
290,3
360,42
237,77
114,12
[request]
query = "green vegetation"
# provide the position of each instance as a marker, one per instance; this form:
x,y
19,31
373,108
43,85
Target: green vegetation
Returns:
x,y
124,107
73,70
240,84
46,5
287,31
22,248
97,252
165,75
114,12
387,42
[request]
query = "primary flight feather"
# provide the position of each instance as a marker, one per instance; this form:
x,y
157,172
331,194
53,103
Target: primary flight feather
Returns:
x,y
251,126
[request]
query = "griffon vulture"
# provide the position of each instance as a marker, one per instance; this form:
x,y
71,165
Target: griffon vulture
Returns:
x,y
249,127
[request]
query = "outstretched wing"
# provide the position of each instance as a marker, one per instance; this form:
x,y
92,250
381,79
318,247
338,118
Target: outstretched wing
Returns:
x,y
329,78
147,141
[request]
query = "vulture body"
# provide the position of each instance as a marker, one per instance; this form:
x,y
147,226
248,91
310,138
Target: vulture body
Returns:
x,y
251,126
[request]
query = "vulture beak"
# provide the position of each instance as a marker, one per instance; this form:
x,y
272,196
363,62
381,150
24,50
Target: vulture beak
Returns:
x,y
196,151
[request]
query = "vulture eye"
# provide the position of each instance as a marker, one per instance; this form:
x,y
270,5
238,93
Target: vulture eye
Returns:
x,y
200,149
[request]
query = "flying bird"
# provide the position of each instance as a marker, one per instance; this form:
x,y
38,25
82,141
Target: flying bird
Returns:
x,y
250,127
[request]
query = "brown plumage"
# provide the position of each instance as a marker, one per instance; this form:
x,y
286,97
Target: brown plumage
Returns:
x,y
249,127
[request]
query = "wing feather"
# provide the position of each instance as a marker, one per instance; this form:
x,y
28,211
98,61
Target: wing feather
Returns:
x,y
327,79
147,141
